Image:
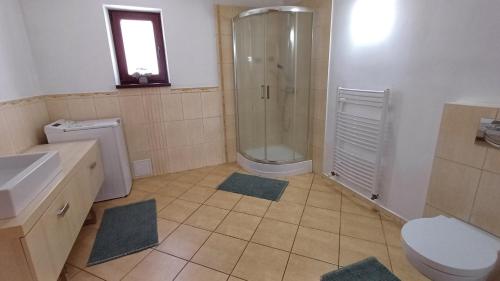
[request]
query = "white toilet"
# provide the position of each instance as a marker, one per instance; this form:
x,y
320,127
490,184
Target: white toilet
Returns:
x,y
447,249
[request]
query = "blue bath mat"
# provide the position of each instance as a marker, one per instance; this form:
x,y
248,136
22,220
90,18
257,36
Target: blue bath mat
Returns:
x,y
369,269
125,230
270,189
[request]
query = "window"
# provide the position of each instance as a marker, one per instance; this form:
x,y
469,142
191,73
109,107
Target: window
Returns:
x,y
139,48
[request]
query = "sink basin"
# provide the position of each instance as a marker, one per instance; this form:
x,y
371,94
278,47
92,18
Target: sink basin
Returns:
x,y
22,177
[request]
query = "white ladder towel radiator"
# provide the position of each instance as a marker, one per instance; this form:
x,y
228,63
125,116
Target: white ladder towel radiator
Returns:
x,y
359,137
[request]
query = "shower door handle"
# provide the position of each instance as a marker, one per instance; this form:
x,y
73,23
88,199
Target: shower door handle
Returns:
x,y
267,88
262,89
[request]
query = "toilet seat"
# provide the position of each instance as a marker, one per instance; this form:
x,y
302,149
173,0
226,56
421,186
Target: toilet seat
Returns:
x,y
451,246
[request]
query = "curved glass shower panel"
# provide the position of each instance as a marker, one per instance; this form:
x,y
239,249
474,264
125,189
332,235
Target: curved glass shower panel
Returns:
x,y
272,68
249,37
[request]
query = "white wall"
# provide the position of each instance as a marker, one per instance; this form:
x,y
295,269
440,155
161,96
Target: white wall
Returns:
x,y
438,51
71,49
17,72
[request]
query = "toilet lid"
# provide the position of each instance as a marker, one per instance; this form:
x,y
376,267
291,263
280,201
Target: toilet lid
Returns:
x,y
451,246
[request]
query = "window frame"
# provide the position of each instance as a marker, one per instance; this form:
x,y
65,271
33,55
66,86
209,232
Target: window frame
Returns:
x,y
126,80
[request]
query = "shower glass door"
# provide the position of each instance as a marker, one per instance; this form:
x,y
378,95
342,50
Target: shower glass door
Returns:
x,y
273,64
250,37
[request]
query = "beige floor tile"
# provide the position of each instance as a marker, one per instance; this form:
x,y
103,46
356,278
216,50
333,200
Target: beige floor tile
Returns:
x,y
116,269
212,180
353,250
304,269
252,205
83,246
324,200
322,219
295,195
174,189
220,252
261,263
285,211
362,227
165,227
207,217
134,196
194,272
392,232
402,267
179,210
161,201
232,278
184,241
223,199
197,194
239,225
317,244
355,206
84,276
275,234
190,178
324,187
146,186
70,270
156,266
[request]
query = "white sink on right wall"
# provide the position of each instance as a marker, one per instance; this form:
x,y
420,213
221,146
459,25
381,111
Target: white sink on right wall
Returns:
x,y
22,177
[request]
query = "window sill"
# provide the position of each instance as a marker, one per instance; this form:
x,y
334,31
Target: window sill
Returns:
x,y
150,85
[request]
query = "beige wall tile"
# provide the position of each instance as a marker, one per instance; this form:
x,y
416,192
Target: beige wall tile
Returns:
x,y
457,134
430,212
57,108
213,129
226,45
192,106
6,145
159,159
137,137
486,211
492,162
452,187
229,102
194,131
228,76
179,158
107,107
177,134
212,104
81,108
153,107
158,135
132,110
172,107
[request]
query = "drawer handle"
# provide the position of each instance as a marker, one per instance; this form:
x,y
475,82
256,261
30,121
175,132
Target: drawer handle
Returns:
x,y
63,210
93,165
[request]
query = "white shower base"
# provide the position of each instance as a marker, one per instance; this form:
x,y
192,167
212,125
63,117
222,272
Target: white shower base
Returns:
x,y
274,170
274,153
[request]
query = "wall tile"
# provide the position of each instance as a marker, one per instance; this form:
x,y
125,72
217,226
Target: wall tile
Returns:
x,y
6,145
226,45
159,159
172,107
486,211
138,137
214,153
212,129
179,158
457,134
212,104
192,106
229,105
194,131
153,107
107,107
132,109
21,136
81,108
452,187
231,150
430,212
158,136
177,134
57,108
228,76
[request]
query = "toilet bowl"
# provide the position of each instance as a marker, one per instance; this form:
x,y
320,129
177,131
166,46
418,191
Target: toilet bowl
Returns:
x,y
447,249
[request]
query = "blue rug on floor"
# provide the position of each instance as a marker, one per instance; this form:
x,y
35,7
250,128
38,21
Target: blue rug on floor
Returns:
x,y
265,188
125,230
369,269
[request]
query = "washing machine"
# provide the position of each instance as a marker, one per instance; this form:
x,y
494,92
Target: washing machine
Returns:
x,y
109,133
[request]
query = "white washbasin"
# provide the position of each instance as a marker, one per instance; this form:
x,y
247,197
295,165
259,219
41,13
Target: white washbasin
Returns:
x,y
22,177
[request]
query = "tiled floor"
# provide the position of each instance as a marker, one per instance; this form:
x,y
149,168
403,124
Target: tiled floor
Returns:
x,y
210,235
